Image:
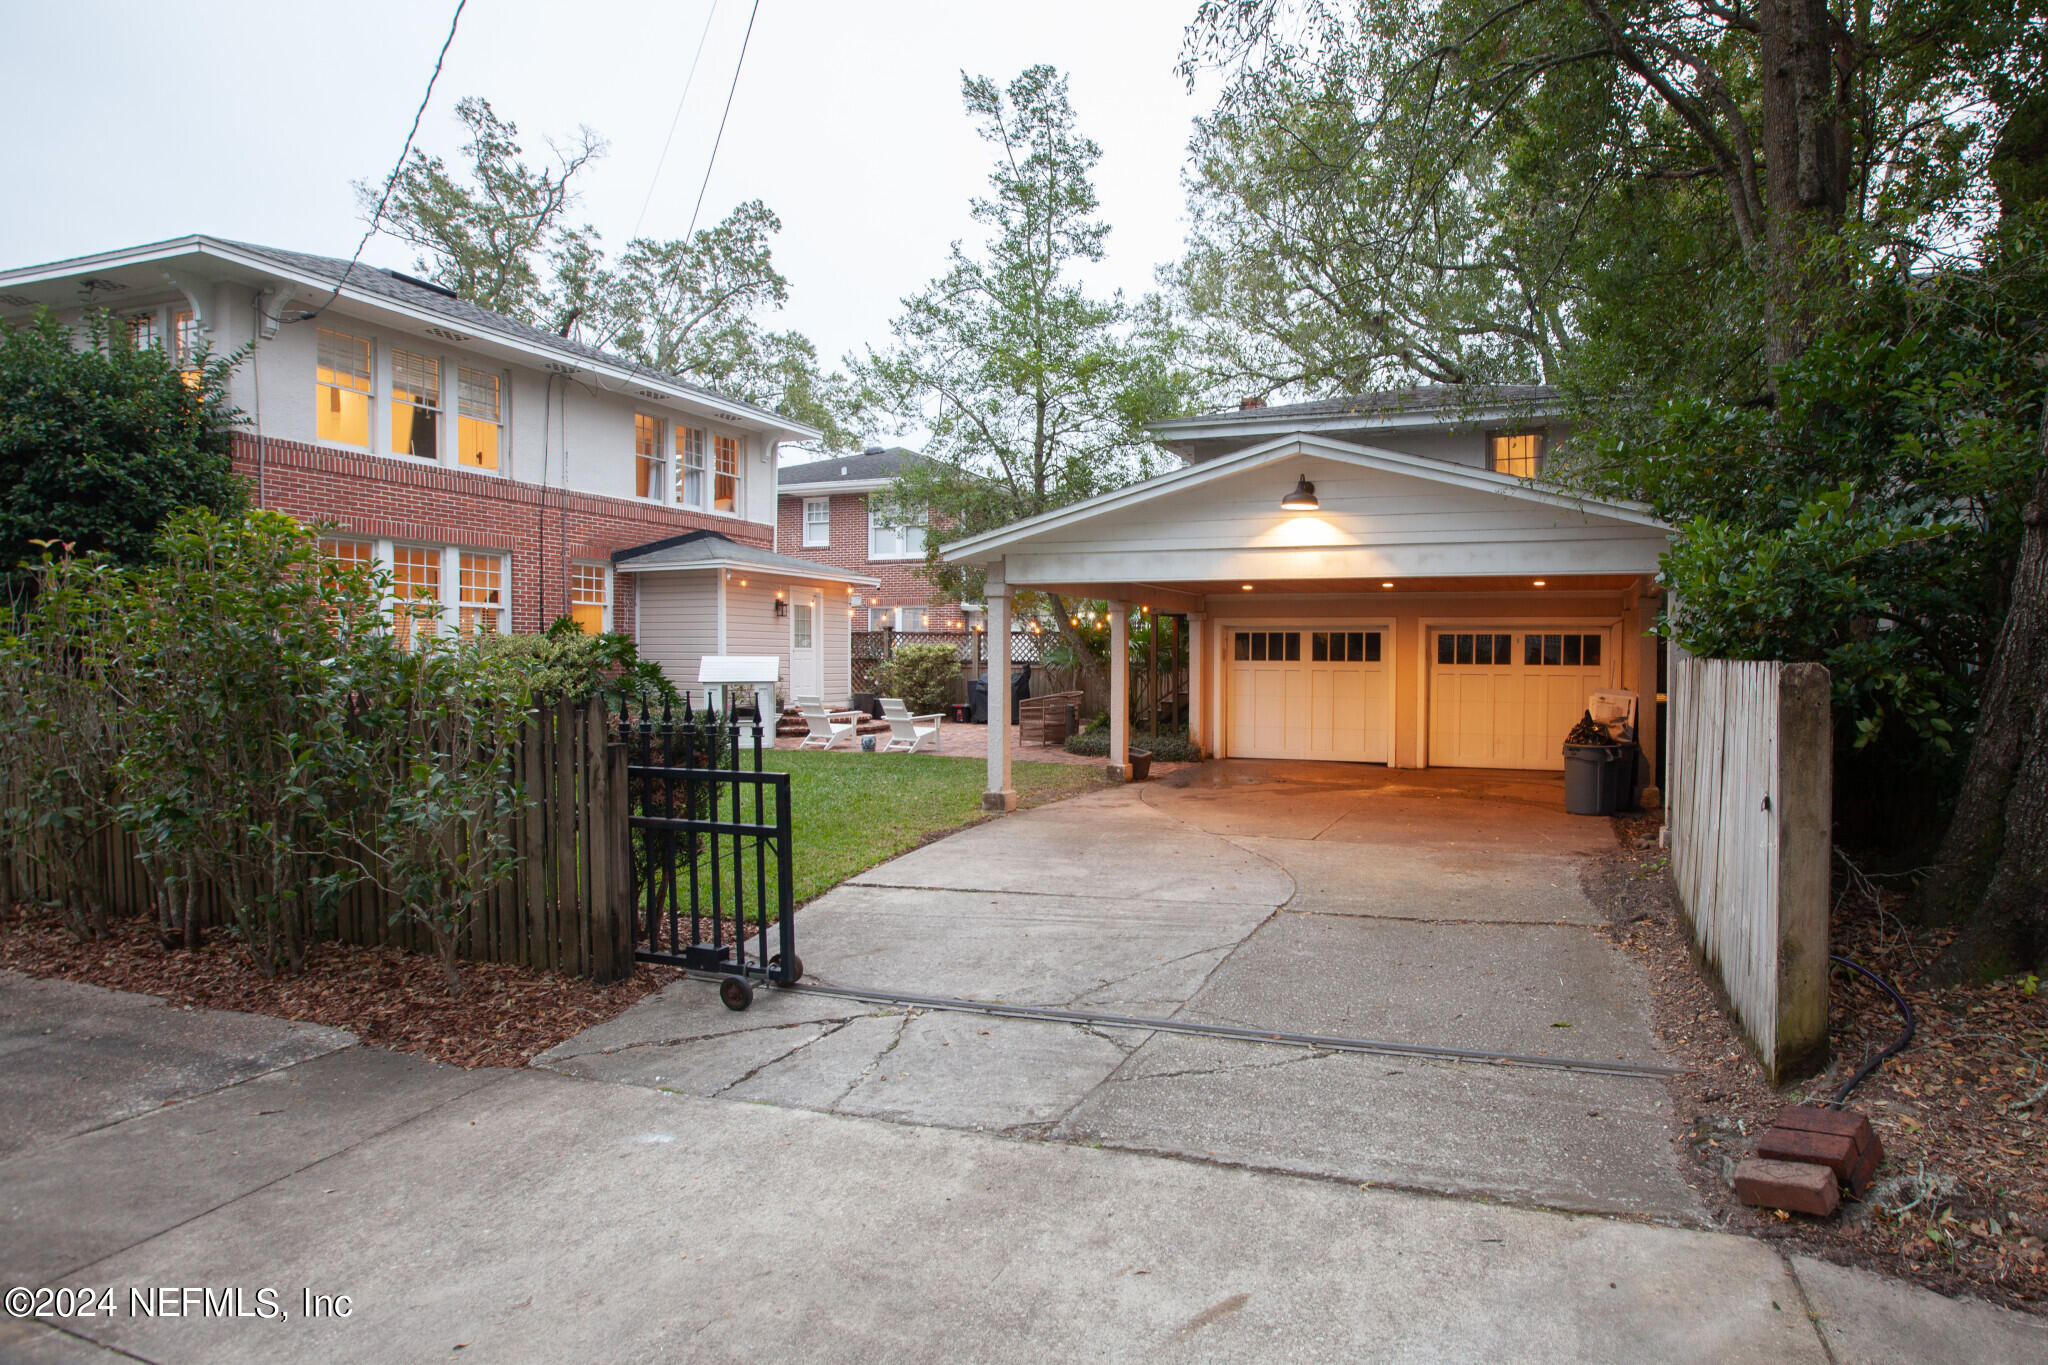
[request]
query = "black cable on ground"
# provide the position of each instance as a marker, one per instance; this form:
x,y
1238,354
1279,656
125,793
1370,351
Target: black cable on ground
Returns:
x,y
1863,1072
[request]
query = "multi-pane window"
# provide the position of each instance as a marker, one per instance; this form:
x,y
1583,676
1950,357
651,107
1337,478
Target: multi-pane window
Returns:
x,y
1268,646
479,420
588,598
415,405
1483,650
887,540
817,521
342,390
144,330
416,586
725,486
650,465
1561,651
1516,453
480,606
350,554
185,344
1344,647
690,459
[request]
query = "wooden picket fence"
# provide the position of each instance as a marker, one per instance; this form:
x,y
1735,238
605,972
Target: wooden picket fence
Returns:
x,y
567,906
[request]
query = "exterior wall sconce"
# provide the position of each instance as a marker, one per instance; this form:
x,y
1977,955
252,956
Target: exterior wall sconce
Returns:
x,y
782,607
1302,499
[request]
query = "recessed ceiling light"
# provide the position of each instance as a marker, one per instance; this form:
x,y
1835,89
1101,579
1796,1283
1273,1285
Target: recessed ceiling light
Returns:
x,y
1539,582
1247,587
1386,585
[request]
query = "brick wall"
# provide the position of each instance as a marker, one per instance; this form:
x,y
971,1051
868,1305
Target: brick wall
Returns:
x,y
381,496
901,587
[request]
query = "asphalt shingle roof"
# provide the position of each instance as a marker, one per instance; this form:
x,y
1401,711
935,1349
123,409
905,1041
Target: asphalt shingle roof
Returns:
x,y
1389,402
877,464
709,549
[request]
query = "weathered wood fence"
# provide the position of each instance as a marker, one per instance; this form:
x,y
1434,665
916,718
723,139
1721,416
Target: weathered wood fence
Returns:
x,y
1750,782
566,908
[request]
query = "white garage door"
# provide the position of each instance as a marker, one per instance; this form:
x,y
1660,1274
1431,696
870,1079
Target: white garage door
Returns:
x,y
1505,697
1308,693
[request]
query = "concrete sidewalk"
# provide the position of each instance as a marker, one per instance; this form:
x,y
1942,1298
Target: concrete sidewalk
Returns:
x,y
526,1216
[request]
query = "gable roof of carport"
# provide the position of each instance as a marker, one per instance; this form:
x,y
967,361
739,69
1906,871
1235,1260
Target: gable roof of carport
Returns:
x,y
981,548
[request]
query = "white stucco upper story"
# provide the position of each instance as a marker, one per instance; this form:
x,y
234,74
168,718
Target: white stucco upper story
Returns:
x,y
394,366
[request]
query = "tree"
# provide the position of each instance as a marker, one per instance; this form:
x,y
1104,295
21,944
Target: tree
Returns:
x,y
500,237
1034,393
100,443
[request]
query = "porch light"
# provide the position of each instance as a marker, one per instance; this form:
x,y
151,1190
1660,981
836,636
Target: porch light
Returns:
x,y
1302,499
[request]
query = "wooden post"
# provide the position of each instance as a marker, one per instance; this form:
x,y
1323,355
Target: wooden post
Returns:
x,y
1152,697
1198,719
1120,690
597,847
1001,794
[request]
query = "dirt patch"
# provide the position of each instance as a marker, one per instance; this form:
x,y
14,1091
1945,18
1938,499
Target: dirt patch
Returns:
x,y
1961,1202
387,997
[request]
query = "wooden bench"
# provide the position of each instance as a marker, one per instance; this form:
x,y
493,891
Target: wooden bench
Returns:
x,y
1043,720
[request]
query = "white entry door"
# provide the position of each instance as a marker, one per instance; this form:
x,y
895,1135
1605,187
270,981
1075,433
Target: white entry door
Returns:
x,y
1308,693
1506,696
806,647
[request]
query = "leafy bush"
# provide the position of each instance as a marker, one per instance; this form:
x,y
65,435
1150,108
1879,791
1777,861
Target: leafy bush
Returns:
x,y
922,675
566,662
1168,746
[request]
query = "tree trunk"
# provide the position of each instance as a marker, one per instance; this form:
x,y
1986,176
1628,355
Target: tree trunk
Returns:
x,y
1805,177
1994,877
1084,658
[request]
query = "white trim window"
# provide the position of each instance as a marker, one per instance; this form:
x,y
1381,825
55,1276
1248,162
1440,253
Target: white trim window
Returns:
x,y
693,473
144,330
1519,453
650,462
479,419
481,606
725,482
887,541
817,522
416,592
342,391
590,597
415,405
186,344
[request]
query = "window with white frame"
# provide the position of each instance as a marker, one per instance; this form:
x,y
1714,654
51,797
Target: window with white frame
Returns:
x,y
817,521
479,418
415,405
185,344
590,597
480,607
889,540
342,390
694,475
1518,453
144,329
725,482
650,462
416,592
917,617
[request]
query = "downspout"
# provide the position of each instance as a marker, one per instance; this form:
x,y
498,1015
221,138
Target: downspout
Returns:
x,y
256,378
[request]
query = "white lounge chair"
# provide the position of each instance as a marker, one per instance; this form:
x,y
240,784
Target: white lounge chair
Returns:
x,y
826,724
907,733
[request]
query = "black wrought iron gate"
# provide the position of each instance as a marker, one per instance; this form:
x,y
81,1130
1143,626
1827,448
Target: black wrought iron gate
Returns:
x,y
711,858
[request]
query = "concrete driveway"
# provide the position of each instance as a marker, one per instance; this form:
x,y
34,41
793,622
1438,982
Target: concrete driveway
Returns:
x,y
1436,908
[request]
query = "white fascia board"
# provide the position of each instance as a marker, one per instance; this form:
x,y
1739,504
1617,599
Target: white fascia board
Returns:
x,y
814,490
824,572
1276,451
728,410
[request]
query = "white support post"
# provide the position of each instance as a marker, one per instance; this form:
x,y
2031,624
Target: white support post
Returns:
x,y
1001,794
1120,690
1198,717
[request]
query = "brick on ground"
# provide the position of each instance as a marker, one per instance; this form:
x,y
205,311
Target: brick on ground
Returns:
x,y
1793,1185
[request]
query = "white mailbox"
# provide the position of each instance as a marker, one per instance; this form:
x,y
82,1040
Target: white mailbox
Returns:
x,y
743,675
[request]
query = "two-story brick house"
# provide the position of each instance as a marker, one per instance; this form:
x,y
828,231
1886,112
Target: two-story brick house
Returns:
x,y
825,515
503,475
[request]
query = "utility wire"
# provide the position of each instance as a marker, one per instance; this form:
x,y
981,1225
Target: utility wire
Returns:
x,y
391,180
674,119
736,66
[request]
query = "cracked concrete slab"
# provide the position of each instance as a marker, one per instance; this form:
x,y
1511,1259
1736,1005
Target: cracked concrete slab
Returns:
x,y
693,1066
1868,1319
1396,881
690,1009
1579,1142
970,1071
79,1057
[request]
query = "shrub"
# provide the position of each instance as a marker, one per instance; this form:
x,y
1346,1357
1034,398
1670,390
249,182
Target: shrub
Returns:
x,y
922,675
567,663
1168,746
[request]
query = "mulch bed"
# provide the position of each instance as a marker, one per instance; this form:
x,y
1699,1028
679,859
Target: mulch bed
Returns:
x,y
1961,1202
387,997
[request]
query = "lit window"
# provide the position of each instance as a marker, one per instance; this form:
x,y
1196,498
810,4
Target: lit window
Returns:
x,y
650,468
416,584
480,609
185,345
478,423
886,541
690,457
589,602
415,405
342,390
725,492
1519,454
350,554
817,521
144,330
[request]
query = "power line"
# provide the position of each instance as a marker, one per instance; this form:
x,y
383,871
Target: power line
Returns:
x,y
676,118
736,67
392,180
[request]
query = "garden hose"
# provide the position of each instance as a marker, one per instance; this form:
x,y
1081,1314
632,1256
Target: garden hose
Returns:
x,y
1898,1044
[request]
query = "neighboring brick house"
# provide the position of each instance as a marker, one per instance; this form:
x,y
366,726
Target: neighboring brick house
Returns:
x,y
824,515
505,475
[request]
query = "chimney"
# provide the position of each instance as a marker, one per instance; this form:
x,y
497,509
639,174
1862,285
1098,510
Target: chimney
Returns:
x,y
1250,404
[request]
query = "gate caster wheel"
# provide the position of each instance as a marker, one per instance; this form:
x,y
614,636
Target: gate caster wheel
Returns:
x,y
736,992
796,968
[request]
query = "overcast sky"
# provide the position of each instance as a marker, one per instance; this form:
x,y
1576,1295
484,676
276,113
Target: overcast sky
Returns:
x,y
133,122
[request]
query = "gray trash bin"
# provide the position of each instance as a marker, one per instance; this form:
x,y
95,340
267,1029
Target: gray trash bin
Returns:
x,y
1596,778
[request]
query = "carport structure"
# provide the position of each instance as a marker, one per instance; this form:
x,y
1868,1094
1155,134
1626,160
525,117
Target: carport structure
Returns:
x,y
1351,602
